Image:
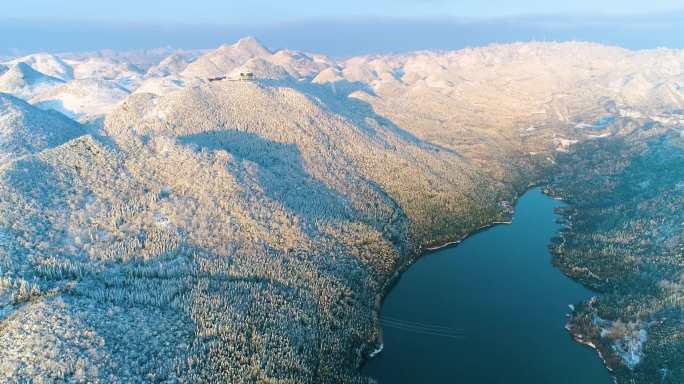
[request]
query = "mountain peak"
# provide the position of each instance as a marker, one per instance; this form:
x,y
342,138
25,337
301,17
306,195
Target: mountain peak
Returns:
x,y
20,75
25,129
252,45
226,58
47,64
22,80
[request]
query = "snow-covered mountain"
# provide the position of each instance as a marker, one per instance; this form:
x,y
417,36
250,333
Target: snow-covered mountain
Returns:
x,y
161,85
82,97
242,231
48,64
225,58
76,88
249,55
651,77
125,74
25,129
261,68
299,64
22,80
172,65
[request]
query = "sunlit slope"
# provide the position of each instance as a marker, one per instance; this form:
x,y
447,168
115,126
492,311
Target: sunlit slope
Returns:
x,y
494,100
253,225
339,141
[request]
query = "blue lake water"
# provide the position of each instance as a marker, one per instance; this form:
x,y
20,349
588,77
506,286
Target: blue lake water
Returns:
x,y
490,310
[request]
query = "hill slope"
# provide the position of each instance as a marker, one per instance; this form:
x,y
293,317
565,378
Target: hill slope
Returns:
x,y
23,81
25,129
82,97
48,64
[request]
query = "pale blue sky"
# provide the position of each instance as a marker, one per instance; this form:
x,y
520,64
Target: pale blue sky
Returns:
x,y
274,11
339,28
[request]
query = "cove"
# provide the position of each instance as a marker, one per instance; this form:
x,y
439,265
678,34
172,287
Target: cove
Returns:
x,y
489,310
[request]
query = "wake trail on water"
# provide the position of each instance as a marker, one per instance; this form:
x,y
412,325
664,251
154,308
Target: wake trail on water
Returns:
x,y
422,328
418,324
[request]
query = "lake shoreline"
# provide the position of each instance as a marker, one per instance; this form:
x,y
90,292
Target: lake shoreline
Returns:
x,y
396,277
594,343
378,346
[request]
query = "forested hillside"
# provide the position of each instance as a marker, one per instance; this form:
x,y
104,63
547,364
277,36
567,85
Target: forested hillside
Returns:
x,y
232,230
625,239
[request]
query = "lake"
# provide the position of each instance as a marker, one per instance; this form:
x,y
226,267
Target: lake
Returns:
x,y
489,310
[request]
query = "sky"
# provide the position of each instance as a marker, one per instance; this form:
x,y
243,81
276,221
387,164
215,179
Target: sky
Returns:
x,y
339,28
278,11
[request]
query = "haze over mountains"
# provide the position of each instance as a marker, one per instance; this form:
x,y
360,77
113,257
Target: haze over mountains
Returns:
x,y
155,225
340,36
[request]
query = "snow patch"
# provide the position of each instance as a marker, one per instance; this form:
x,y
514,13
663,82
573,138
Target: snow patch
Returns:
x,y
377,351
79,98
562,145
598,136
631,349
627,339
